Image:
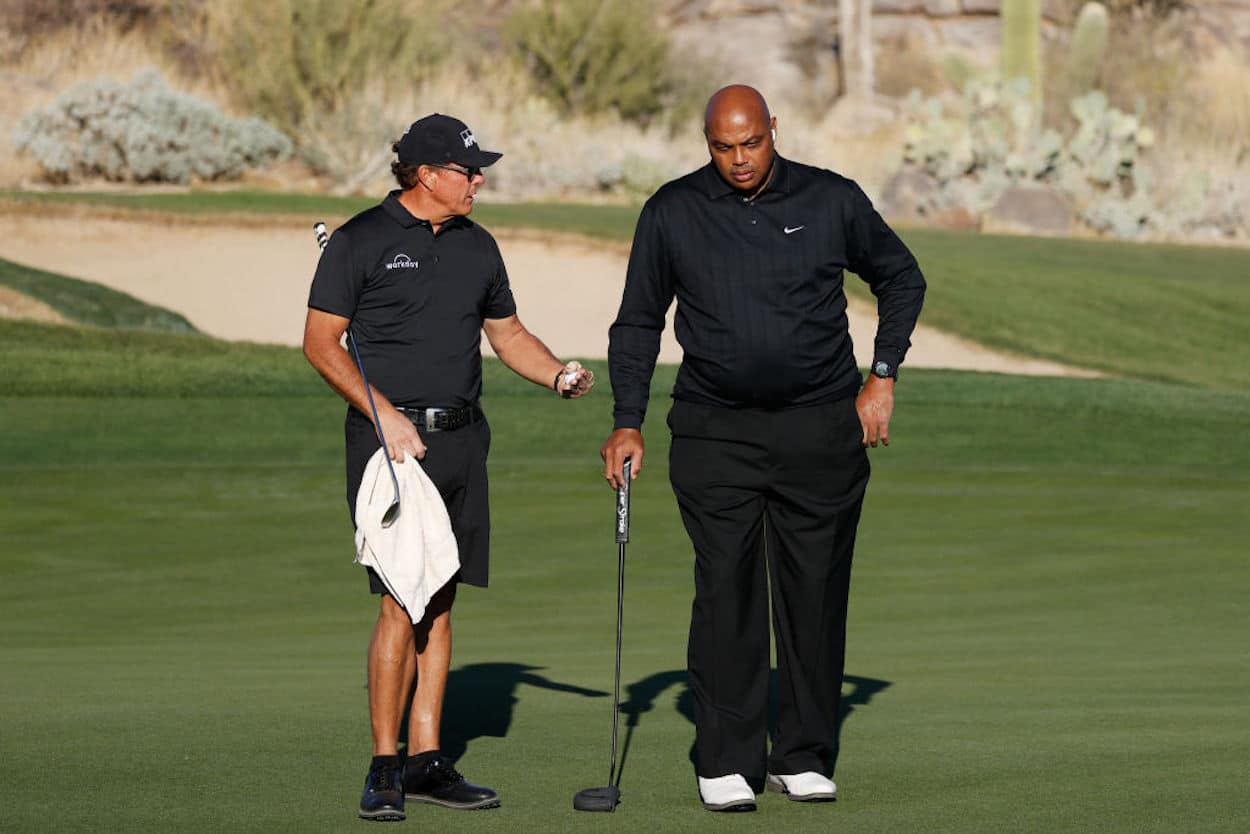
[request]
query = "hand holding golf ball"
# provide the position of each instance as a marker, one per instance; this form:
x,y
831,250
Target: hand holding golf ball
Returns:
x,y
575,381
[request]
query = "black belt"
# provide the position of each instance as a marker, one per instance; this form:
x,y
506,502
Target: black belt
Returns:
x,y
442,419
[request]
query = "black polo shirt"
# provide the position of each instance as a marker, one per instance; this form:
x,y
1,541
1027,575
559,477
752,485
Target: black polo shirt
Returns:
x,y
416,300
761,310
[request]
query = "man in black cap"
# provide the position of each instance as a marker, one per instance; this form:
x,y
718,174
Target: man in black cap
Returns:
x,y
417,282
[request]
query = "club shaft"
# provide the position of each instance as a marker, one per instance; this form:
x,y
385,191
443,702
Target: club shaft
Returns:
x,y
616,686
319,229
376,421
622,536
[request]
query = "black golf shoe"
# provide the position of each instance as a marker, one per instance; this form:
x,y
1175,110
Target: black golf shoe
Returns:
x,y
430,777
383,799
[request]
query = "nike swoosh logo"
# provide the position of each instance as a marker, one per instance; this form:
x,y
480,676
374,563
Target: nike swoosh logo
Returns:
x,y
790,231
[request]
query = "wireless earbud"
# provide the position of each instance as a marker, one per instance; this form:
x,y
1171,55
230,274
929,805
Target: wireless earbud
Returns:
x,y
773,131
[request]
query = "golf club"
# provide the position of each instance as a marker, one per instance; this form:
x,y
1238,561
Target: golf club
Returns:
x,y
606,798
392,512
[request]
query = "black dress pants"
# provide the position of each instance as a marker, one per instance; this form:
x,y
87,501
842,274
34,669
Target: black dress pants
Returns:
x,y
768,494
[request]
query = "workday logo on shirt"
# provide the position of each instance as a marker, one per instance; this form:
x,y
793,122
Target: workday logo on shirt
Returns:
x,y
402,261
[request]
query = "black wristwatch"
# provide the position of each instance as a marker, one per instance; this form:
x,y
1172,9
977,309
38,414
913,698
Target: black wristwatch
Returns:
x,y
884,369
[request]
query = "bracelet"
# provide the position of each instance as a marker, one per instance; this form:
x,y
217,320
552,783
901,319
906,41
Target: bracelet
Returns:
x,y
555,386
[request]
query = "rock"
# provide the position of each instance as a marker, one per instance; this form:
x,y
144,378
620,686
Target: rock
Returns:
x,y
941,8
909,195
1059,11
1031,209
976,33
897,7
904,29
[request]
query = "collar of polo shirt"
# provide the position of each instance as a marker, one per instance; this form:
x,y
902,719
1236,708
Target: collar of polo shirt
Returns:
x,y
718,188
407,219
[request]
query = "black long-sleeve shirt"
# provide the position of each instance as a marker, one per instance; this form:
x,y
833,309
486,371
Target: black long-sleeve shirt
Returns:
x,y
761,311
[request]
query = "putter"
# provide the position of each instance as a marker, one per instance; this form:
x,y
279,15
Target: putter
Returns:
x,y
392,512
606,798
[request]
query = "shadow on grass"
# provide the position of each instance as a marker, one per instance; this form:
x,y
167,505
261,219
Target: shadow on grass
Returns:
x,y
480,698
641,698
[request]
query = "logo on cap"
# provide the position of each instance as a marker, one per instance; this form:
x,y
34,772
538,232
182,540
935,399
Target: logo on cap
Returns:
x,y
468,138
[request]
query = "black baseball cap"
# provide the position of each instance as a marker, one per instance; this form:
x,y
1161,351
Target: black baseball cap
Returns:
x,y
437,139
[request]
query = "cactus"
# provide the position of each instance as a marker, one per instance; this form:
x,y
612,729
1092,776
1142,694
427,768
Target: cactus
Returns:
x,y
1108,141
1088,48
990,144
1021,47
980,147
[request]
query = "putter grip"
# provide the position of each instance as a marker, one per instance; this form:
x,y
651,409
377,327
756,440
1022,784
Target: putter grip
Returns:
x,y
622,505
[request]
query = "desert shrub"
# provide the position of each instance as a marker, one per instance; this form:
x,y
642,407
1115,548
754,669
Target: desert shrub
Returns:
x,y
635,175
320,69
550,156
143,131
1214,112
28,25
36,17
595,56
288,59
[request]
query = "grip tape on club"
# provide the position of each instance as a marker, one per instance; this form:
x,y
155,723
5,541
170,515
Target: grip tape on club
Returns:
x,y
319,229
622,505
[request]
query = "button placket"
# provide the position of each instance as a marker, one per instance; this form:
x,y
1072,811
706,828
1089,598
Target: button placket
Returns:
x,y
753,216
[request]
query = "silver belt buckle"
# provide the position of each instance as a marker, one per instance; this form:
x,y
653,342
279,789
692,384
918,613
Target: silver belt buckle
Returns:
x,y
430,414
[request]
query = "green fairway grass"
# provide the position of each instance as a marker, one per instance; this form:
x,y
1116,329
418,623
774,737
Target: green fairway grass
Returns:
x,y
85,302
84,361
1150,311
611,222
1146,311
1047,629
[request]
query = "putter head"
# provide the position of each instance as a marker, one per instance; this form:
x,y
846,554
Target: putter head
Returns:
x,y
597,799
392,513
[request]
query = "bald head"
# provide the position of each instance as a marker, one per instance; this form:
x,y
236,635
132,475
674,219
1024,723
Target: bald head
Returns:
x,y
740,133
736,104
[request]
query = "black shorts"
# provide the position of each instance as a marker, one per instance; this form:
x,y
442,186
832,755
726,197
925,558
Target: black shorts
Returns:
x,y
456,462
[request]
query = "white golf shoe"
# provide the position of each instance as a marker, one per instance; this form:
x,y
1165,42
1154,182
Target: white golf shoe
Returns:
x,y
808,786
726,793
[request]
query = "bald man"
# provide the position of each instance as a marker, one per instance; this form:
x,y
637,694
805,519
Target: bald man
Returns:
x,y
771,421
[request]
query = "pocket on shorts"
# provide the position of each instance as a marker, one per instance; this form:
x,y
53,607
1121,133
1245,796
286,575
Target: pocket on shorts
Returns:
x,y
484,438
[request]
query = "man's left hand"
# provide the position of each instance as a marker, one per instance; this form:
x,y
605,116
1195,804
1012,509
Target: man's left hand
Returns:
x,y
875,405
575,381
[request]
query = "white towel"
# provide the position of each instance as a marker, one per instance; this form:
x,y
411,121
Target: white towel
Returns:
x,y
417,554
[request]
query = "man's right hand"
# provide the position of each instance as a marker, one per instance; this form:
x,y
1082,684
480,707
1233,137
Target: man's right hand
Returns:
x,y
622,444
401,435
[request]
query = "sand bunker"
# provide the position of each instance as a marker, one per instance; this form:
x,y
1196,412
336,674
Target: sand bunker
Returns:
x,y
250,282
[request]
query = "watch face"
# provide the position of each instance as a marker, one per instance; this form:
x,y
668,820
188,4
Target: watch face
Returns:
x,y
881,369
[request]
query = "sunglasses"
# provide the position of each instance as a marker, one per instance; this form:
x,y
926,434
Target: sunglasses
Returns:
x,y
469,173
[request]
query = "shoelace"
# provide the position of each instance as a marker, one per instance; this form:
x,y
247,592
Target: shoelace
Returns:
x,y
382,778
445,769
